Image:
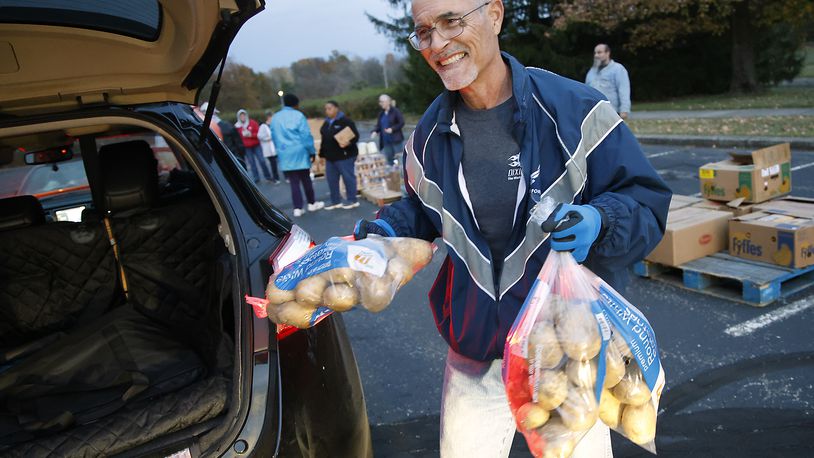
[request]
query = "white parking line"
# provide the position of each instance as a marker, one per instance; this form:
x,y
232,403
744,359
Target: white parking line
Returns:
x,y
804,166
664,153
750,326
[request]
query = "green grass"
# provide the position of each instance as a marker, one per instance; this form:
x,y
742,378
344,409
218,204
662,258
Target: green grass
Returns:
x,y
768,126
776,97
808,64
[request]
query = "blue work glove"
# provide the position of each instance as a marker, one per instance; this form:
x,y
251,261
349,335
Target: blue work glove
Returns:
x,y
364,227
574,228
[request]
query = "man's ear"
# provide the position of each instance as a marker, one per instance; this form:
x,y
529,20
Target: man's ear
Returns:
x,y
495,13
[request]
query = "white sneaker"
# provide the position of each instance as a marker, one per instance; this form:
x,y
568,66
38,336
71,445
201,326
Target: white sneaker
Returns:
x,y
316,206
349,206
299,211
334,206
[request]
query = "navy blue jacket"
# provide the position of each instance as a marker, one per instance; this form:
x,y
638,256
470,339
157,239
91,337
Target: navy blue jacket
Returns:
x,y
574,148
395,120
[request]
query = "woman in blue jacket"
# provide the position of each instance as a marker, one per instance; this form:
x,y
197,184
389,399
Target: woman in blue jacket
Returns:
x,y
295,152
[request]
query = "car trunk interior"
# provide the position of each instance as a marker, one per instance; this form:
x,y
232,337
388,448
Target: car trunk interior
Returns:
x,y
117,316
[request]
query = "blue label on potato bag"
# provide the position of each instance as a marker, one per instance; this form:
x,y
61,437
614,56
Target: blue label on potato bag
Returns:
x,y
636,331
364,255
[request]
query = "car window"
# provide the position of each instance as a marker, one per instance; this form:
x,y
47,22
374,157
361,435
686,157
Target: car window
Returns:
x,y
134,18
17,178
61,176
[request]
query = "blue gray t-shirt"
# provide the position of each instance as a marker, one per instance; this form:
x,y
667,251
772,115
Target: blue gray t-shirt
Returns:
x,y
491,168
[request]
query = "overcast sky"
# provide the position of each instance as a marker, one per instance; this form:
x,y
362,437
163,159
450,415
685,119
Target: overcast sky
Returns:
x,y
289,30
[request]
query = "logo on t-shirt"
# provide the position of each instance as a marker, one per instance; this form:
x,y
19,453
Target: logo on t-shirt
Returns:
x,y
515,171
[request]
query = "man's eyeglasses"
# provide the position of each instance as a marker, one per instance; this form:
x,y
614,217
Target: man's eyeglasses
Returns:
x,y
447,28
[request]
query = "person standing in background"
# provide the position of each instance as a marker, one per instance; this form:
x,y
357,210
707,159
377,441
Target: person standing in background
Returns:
x,y
388,126
229,136
295,152
611,79
340,157
248,128
269,152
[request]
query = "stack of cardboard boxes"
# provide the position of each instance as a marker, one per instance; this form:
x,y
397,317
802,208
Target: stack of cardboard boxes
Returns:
x,y
738,214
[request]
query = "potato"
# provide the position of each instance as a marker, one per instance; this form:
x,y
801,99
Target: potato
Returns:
x,y
295,314
276,295
610,409
581,373
559,440
579,410
340,297
544,349
577,331
309,290
531,416
552,390
417,253
639,423
614,366
340,275
632,389
271,311
376,292
400,270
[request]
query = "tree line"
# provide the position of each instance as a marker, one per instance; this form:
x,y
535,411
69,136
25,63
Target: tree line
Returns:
x,y
309,78
670,47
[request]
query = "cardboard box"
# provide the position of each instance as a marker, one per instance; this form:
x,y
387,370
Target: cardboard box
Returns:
x,y
790,204
691,233
734,207
344,137
782,236
394,180
757,176
679,201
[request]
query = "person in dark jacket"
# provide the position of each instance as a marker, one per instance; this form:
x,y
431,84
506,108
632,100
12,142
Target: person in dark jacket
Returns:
x,y
499,140
229,136
388,128
340,157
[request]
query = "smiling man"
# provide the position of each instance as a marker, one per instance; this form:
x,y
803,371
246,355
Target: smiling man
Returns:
x,y
501,138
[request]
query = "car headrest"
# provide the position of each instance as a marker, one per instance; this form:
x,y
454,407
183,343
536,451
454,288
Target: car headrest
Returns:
x,y
20,211
129,176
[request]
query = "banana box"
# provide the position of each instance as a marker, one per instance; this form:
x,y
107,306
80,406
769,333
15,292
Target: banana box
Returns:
x,y
784,237
756,177
680,201
691,233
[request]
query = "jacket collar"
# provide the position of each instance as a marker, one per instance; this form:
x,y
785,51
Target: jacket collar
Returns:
x,y
520,91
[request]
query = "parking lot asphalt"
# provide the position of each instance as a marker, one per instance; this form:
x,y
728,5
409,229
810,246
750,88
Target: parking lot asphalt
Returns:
x,y
740,380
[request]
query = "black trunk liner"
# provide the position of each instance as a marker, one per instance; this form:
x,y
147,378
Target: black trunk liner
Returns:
x,y
134,425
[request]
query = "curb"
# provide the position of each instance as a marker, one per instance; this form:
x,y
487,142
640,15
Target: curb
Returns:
x,y
802,143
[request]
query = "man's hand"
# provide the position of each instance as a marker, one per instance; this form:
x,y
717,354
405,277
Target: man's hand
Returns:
x,y
388,131
574,228
313,158
364,227
374,134
623,115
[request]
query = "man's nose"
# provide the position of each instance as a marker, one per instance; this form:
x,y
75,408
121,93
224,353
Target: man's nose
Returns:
x,y
437,42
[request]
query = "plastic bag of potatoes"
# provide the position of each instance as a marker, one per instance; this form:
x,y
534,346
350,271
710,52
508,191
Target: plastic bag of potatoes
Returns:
x,y
339,274
570,361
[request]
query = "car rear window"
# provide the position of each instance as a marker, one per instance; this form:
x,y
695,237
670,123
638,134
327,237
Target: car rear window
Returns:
x,y
134,18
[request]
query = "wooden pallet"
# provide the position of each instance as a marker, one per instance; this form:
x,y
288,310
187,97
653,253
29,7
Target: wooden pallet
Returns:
x,y
380,197
721,275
